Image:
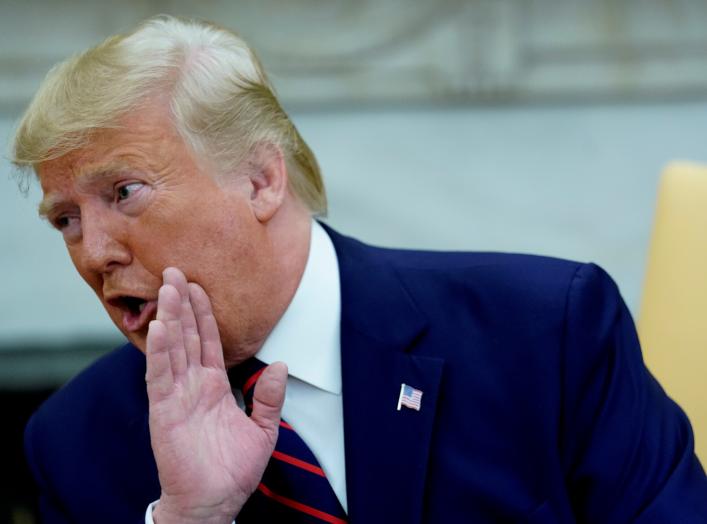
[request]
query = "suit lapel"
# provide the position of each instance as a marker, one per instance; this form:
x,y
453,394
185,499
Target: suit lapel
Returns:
x,y
386,450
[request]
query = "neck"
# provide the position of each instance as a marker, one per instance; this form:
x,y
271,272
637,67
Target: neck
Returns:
x,y
288,236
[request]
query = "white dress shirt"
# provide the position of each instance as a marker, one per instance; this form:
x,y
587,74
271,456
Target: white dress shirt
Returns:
x,y
307,339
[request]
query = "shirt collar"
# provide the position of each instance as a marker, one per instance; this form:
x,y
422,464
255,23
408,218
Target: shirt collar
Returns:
x,y
307,336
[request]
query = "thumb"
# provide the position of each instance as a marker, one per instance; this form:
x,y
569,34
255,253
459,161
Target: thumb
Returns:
x,y
268,397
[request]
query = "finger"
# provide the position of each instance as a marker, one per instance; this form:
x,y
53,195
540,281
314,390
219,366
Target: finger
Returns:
x,y
211,349
268,397
159,371
190,333
168,311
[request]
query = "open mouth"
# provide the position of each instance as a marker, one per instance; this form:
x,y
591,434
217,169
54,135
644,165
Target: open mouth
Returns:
x,y
137,312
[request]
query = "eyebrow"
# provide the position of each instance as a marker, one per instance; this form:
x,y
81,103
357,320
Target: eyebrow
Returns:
x,y
86,178
47,204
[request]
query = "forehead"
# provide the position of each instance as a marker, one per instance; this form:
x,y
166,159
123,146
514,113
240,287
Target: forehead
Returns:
x,y
146,141
82,165
137,140
89,165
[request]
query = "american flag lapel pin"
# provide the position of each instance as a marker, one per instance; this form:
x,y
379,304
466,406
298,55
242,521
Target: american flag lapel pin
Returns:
x,y
409,397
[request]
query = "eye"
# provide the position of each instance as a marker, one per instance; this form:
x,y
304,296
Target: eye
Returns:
x,y
64,221
68,225
127,190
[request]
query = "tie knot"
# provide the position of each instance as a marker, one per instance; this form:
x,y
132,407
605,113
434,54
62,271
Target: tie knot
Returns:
x,y
245,375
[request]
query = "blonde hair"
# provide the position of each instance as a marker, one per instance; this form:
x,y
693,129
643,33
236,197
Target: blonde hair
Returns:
x,y
221,100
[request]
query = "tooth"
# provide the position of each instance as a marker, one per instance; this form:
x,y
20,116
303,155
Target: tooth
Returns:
x,y
142,306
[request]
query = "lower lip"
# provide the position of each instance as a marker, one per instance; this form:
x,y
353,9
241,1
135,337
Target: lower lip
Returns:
x,y
132,322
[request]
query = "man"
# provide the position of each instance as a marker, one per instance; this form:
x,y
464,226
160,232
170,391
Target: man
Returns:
x,y
426,387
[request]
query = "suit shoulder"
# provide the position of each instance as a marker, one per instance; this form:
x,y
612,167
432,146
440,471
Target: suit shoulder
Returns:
x,y
487,278
425,259
113,380
354,252
500,274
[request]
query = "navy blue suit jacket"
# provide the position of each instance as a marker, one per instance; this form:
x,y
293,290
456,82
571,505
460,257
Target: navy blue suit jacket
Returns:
x,y
537,407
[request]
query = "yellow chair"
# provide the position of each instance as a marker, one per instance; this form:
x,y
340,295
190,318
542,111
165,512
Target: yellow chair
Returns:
x,y
673,316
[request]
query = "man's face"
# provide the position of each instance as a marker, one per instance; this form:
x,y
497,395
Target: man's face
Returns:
x,y
135,201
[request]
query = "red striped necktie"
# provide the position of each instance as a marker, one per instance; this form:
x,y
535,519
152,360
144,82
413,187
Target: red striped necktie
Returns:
x,y
294,489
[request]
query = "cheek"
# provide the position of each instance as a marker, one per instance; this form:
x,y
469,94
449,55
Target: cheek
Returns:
x,y
155,248
201,240
154,236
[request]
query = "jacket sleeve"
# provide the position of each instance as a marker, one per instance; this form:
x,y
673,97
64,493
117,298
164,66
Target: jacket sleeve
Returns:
x,y
49,509
627,448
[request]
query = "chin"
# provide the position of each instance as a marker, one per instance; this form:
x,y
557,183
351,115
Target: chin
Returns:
x,y
137,339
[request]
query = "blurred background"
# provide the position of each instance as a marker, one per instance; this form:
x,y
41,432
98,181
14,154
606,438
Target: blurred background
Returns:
x,y
516,125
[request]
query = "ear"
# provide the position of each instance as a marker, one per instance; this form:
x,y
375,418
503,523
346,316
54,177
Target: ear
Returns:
x,y
267,173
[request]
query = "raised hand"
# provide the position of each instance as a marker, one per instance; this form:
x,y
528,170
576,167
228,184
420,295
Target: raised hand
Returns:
x,y
210,455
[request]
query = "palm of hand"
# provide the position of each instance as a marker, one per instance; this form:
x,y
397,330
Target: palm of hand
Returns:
x,y
210,455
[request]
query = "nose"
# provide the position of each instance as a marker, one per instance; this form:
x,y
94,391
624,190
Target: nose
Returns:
x,y
103,247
